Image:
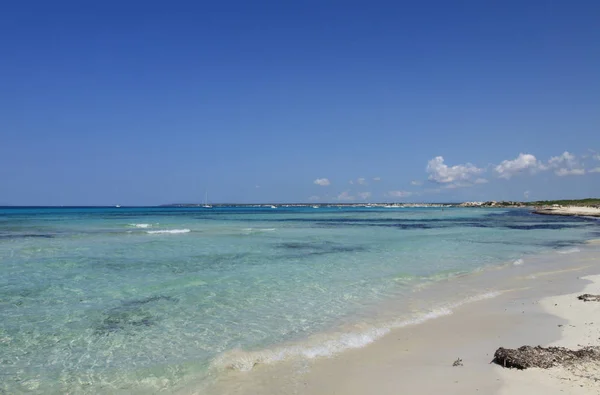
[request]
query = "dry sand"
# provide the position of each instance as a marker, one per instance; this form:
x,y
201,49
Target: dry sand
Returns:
x,y
535,307
582,328
569,211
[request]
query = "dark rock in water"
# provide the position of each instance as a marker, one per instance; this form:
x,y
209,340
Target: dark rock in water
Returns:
x,y
589,298
543,357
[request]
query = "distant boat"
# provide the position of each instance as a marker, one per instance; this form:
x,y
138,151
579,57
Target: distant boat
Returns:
x,y
315,206
206,205
273,206
118,206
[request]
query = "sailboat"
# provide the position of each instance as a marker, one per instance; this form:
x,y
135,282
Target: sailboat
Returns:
x,y
206,205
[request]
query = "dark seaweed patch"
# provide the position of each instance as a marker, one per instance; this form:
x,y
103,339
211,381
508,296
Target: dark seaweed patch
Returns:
x,y
138,302
132,314
26,236
118,320
561,244
541,226
320,248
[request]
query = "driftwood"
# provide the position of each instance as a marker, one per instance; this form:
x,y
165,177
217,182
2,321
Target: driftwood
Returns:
x,y
543,357
589,298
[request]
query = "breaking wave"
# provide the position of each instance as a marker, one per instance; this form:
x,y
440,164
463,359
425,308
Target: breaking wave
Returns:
x,y
141,225
169,231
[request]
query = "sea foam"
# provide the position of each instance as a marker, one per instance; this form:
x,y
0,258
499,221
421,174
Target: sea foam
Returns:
x,y
569,250
141,225
168,231
258,230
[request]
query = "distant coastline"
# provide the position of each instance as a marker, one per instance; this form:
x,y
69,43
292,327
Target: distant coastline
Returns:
x,y
582,207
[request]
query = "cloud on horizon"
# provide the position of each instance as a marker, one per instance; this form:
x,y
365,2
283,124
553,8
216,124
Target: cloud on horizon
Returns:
x,y
322,182
364,195
399,194
345,196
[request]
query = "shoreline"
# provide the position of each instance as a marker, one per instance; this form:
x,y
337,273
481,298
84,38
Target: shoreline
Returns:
x,y
569,211
405,359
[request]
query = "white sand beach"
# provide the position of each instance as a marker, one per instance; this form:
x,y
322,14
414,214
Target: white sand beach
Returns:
x,y
582,328
569,211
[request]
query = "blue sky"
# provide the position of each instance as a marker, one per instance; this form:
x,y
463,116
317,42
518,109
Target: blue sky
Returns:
x,y
142,103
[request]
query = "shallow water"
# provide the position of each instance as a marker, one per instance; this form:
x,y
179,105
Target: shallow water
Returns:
x,y
134,300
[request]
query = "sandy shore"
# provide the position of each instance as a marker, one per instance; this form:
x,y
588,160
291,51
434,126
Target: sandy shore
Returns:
x,y
581,328
536,305
569,211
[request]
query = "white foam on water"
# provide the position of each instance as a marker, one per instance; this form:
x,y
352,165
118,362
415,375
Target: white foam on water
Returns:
x,y
141,225
335,343
518,262
169,231
569,250
258,230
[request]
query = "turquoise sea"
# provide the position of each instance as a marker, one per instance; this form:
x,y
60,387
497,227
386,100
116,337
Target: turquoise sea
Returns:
x,y
141,300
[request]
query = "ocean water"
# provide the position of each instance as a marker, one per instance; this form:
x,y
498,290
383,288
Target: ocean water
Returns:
x,y
142,300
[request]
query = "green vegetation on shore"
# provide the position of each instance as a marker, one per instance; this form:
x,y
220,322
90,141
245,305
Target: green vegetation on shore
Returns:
x,y
576,202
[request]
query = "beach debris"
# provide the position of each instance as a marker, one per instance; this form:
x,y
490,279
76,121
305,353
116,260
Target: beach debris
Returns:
x,y
589,298
458,362
543,357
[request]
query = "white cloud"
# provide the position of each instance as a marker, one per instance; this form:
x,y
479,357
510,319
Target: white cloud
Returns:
x,y
376,179
566,164
351,182
455,185
257,186
523,162
364,195
314,198
322,182
399,194
566,158
361,181
596,156
345,196
569,172
416,183
480,181
596,170
526,194
443,174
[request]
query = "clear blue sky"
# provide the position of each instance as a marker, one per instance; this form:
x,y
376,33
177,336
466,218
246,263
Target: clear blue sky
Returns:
x,y
153,102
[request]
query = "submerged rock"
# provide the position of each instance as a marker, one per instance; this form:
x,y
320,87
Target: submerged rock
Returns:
x,y
543,357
